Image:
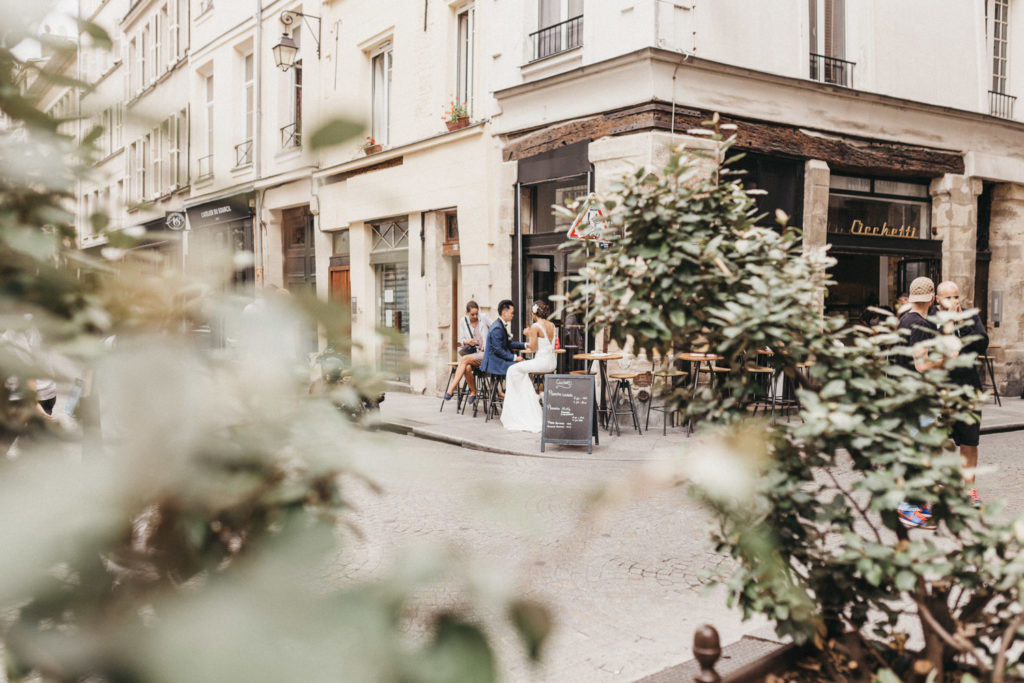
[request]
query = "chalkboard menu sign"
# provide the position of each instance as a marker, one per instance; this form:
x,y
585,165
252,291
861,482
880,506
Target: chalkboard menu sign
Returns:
x,y
569,411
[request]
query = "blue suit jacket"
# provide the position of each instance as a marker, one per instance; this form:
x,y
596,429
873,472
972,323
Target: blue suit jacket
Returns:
x,y
498,354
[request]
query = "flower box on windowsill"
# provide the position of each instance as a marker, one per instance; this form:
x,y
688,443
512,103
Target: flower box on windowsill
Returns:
x,y
372,149
458,123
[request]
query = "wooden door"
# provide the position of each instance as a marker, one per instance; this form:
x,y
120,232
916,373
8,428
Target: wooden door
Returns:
x,y
341,293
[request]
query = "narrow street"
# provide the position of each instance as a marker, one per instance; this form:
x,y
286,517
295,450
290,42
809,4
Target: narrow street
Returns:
x,y
625,579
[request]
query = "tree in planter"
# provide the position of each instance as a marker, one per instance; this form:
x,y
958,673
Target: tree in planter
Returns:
x,y
191,543
810,518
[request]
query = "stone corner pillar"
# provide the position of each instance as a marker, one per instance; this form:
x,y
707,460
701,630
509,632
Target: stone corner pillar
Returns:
x,y
1006,237
815,211
816,185
955,218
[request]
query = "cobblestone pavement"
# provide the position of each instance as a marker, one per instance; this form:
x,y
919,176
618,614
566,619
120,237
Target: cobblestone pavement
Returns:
x,y
626,580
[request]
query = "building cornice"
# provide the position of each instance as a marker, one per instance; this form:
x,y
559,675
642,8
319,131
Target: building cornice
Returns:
x,y
675,59
393,155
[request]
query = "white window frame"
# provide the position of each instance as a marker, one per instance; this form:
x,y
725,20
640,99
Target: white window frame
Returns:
x,y
380,93
209,96
144,47
249,94
133,67
824,43
155,53
174,180
998,43
465,38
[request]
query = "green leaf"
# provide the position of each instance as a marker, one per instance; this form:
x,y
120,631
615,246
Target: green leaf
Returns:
x,y
335,132
906,580
532,621
886,676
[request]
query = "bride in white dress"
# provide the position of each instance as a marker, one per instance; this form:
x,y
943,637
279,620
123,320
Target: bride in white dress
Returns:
x,y
521,410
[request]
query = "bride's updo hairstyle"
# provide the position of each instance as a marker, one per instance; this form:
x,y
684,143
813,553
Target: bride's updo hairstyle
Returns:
x,y
541,309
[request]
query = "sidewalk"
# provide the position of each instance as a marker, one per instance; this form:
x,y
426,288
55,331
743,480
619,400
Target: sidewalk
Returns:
x,y
419,416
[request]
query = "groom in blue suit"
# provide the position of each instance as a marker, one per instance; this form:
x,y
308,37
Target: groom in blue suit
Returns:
x,y
498,354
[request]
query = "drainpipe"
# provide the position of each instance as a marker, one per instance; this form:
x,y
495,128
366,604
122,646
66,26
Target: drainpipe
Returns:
x,y
257,144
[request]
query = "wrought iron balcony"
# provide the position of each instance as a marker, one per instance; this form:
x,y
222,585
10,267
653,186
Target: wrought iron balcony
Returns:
x,y
832,70
243,153
1000,104
291,136
204,168
557,38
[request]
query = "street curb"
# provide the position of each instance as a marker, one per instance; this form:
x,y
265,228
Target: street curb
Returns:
x,y
399,428
1008,427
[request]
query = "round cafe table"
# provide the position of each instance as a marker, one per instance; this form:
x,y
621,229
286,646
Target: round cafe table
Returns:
x,y
602,369
695,359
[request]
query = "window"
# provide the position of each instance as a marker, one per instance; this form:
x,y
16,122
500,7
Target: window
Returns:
x,y
1000,22
143,54
158,160
175,142
118,125
560,27
181,37
248,95
243,151
464,57
297,102
380,66
166,49
133,68
173,33
209,114
827,34
156,60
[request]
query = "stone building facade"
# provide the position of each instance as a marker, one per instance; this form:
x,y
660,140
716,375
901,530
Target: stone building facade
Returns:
x,y
902,171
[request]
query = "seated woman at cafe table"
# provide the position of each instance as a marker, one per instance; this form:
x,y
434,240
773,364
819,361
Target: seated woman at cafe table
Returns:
x,y
521,410
472,339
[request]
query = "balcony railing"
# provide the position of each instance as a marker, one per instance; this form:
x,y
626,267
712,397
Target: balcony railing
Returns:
x,y
557,38
291,136
832,70
243,153
204,168
1000,104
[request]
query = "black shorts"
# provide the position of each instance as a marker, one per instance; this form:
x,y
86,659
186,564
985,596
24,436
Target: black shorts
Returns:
x,y
967,434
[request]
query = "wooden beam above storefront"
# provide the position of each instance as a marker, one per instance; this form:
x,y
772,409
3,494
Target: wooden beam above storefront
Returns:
x,y
843,153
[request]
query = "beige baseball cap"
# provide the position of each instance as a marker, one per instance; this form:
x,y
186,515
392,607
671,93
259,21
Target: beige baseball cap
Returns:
x,y
922,289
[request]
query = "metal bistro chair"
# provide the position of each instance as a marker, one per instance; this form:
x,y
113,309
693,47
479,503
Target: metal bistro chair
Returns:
x,y
669,381
622,384
493,398
480,382
988,367
461,391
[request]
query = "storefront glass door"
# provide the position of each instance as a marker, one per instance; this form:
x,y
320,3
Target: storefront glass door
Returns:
x,y
390,258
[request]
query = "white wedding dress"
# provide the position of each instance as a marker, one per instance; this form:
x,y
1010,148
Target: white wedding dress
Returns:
x,y
521,411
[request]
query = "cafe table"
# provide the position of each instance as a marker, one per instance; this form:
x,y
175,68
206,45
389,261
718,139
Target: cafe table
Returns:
x,y
602,369
695,360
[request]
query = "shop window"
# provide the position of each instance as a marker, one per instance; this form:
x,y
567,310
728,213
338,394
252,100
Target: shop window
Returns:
x,y
536,213
389,255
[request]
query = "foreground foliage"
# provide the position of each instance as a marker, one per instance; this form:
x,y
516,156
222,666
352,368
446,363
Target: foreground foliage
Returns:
x,y
192,534
808,509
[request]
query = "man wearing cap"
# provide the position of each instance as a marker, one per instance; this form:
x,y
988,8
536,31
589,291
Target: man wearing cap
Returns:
x,y
966,435
915,327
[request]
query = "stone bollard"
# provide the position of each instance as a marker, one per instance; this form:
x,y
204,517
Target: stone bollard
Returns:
x,y
706,650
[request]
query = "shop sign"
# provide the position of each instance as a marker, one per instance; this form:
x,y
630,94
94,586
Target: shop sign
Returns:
x,y
220,212
590,224
175,220
858,227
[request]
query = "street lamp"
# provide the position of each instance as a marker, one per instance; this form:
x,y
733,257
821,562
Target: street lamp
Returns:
x,y
286,50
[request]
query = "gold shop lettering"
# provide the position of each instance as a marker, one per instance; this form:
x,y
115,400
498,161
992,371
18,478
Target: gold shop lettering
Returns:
x,y
883,230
